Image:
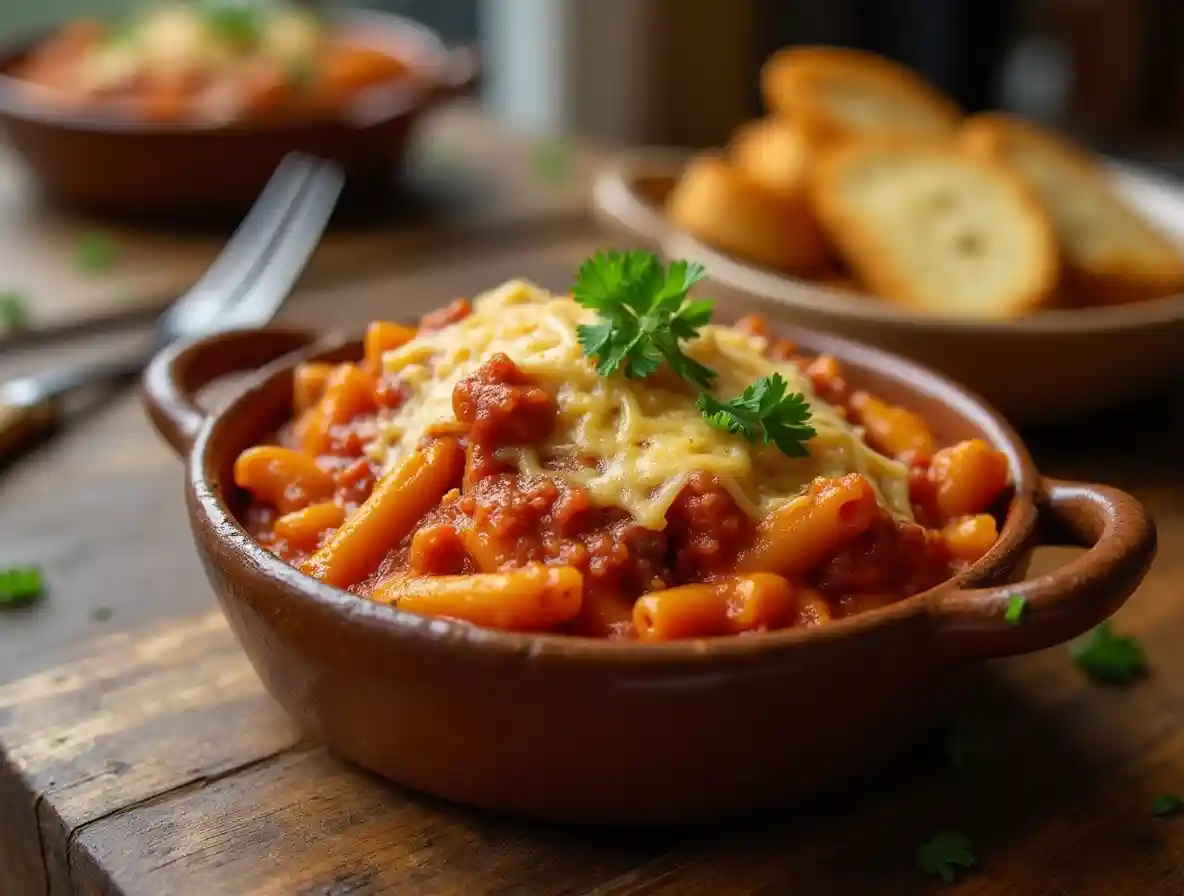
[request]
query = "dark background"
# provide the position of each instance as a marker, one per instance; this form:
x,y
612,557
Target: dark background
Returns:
x,y
1109,71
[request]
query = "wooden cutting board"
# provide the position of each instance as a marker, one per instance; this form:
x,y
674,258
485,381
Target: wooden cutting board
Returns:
x,y
140,755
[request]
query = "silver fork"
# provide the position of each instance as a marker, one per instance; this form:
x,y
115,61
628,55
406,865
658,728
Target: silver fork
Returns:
x,y
244,287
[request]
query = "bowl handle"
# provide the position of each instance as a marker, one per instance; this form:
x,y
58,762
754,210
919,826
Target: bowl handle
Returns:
x,y
619,204
178,373
1120,537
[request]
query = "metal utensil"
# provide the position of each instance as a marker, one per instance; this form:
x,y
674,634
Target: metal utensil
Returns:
x,y
244,287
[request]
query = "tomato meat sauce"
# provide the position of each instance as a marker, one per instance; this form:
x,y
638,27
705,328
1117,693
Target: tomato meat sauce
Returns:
x,y
497,519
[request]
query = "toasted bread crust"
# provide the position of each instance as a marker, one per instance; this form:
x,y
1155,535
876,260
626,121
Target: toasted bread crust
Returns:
x,y
775,153
1115,278
993,133
864,247
720,206
793,83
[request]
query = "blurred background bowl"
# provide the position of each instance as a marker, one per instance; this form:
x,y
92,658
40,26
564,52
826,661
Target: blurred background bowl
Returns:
x,y
1042,368
102,164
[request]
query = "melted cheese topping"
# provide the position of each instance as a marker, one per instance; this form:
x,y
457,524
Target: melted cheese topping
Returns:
x,y
631,443
173,42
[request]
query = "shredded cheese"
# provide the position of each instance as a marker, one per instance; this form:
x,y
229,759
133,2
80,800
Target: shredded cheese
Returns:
x,y
172,42
631,443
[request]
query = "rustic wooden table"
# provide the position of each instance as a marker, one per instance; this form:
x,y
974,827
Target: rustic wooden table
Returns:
x,y
467,179
140,755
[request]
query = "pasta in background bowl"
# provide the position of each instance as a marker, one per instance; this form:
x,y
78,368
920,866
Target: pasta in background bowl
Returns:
x,y
142,120
467,564
208,62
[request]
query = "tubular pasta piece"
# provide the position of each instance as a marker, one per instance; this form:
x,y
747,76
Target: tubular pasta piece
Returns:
x,y
531,598
399,500
759,601
304,528
349,391
893,430
456,310
813,609
435,550
688,611
969,477
308,384
826,376
796,537
726,606
284,477
383,336
753,325
970,537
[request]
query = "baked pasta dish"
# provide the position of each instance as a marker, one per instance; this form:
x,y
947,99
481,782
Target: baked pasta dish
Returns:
x,y
207,61
611,464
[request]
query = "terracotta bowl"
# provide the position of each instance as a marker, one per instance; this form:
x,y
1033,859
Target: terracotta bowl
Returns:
x,y
106,164
586,730
1035,369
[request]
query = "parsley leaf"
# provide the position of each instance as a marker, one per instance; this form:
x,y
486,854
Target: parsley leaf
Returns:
x,y
1108,657
123,32
14,312
763,414
945,853
20,585
644,314
1167,804
95,252
239,22
1015,609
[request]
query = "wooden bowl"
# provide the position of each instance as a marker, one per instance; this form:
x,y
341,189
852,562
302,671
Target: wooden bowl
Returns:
x,y
1037,369
588,730
102,163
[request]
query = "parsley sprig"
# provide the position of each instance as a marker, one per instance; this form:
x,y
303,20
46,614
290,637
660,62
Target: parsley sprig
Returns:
x,y
763,414
945,854
14,310
20,585
239,22
645,316
1167,805
1109,657
95,252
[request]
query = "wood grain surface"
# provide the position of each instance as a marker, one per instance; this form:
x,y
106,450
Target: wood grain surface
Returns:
x,y
139,754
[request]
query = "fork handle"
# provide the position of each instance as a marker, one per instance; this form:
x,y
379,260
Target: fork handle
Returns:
x,y
24,423
30,406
